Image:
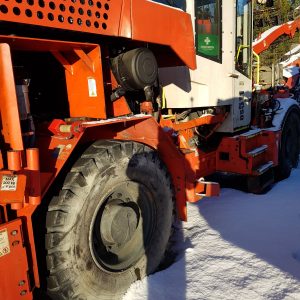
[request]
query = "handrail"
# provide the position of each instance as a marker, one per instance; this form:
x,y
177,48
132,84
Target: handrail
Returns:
x,y
258,66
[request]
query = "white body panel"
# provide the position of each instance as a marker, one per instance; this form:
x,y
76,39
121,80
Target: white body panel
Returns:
x,y
212,83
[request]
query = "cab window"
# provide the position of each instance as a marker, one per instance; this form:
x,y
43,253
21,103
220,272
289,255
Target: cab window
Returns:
x,y
243,37
208,29
175,3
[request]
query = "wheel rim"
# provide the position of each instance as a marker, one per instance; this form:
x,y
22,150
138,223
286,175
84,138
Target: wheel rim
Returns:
x,y
122,226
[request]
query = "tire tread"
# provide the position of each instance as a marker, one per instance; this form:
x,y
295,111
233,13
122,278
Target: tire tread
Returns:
x,y
61,282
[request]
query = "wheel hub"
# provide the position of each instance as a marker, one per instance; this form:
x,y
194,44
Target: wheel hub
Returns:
x,y
123,225
118,224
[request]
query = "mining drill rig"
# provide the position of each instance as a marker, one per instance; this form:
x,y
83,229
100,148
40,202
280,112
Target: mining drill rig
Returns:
x,y
114,113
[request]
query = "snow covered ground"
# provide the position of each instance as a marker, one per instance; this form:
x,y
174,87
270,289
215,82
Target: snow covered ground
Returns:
x,y
236,246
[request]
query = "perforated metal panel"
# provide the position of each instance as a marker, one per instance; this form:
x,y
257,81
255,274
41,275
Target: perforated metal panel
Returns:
x,y
126,18
92,16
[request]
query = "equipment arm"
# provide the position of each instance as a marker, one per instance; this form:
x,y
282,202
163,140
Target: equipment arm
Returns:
x,y
271,35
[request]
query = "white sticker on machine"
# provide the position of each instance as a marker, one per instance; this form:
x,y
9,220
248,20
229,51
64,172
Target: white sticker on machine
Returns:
x,y
92,87
4,243
9,183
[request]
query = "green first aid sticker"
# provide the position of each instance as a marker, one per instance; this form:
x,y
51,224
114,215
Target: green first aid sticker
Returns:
x,y
208,44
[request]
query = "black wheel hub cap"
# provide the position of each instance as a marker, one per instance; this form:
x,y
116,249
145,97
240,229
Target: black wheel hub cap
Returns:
x,y
123,226
119,223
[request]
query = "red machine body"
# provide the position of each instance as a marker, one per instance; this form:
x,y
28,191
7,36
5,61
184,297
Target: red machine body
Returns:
x,y
82,100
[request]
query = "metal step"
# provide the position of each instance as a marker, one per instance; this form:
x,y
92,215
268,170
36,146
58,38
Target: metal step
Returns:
x,y
251,133
259,184
257,151
263,168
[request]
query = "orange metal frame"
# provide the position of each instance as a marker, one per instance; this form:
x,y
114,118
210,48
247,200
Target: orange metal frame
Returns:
x,y
123,18
35,169
82,64
11,129
13,261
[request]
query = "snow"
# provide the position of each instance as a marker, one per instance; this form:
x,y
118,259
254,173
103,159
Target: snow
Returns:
x,y
236,246
268,32
265,34
293,51
285,104
290,71
290,60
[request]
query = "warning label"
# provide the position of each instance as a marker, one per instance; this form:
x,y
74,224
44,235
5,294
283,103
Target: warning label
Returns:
x,y
4,243
9,183
92,87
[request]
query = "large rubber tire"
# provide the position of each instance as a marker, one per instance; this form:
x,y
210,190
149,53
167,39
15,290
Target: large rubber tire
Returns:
x,y
289,148
111,222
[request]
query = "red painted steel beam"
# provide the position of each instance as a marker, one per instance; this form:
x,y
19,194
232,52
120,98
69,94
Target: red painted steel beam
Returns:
x,y
11,128
264,43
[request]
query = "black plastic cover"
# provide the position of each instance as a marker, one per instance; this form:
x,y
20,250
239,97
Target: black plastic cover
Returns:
x,y
135,69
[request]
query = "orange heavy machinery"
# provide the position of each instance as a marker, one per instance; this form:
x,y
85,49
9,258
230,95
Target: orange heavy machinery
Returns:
x,y
108,129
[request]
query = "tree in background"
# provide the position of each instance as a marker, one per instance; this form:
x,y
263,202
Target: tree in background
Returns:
x,y
274,13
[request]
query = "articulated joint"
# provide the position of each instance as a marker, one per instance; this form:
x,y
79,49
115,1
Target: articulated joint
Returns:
x,y
61,128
